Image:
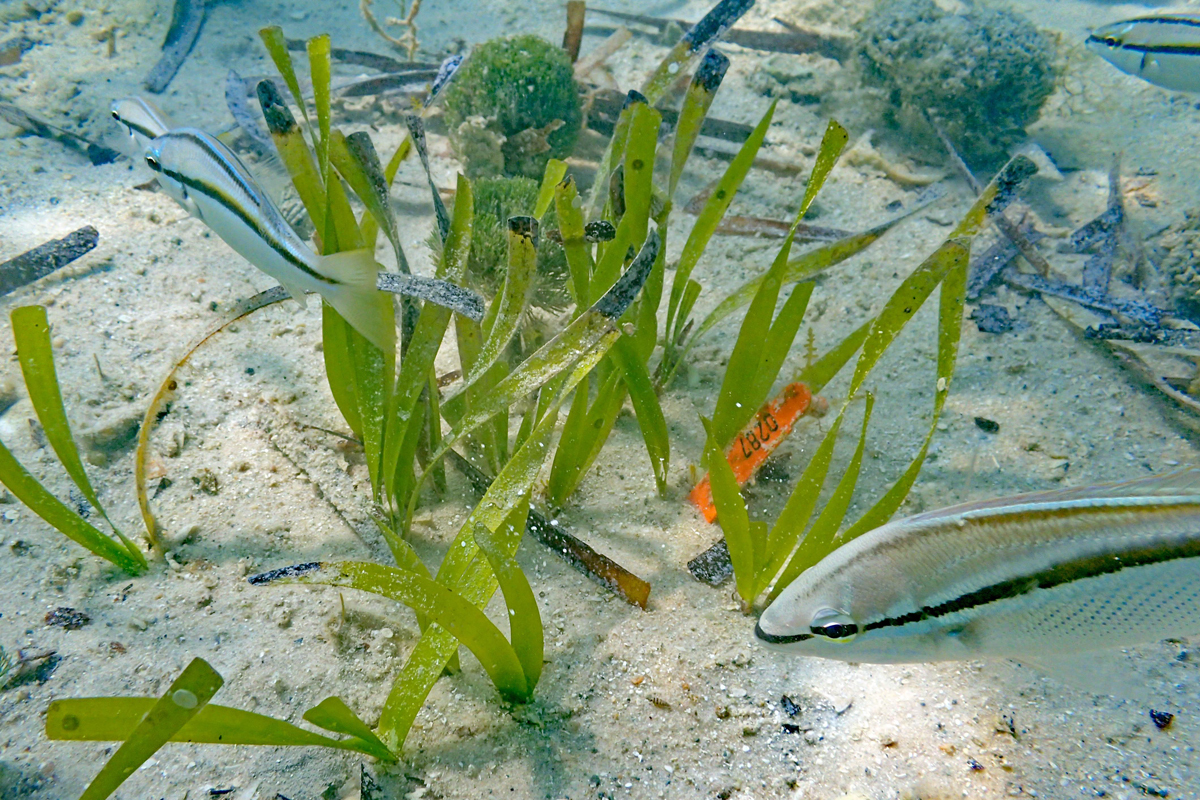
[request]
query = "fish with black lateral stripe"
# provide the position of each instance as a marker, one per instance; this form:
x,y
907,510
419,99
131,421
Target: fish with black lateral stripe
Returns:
x,y
1163,49
207,179
1026,577
142,119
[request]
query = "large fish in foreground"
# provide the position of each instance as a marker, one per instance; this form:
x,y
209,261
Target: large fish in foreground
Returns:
x,y
1037,575
1163,49
207,179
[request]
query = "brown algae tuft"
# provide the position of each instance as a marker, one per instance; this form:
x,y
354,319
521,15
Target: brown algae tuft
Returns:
x,y
981,76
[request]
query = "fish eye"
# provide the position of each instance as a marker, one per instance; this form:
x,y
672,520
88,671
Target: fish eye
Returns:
x,y
116,115
832,624
1112,41
153,163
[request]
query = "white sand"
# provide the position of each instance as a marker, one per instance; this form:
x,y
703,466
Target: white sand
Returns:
x,y
1068,415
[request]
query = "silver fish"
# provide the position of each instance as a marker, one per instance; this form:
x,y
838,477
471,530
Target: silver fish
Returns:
x,y
1163,49
207,179
1037,575
142,120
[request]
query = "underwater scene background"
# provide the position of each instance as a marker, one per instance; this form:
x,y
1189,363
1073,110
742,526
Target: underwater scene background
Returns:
x,y
599,290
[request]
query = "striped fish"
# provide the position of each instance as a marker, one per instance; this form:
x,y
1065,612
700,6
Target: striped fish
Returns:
x,y
207,179
142,120
1162,49
1038,575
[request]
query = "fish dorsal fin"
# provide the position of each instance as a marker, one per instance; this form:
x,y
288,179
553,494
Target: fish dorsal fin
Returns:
x,y
1184,483
1180,483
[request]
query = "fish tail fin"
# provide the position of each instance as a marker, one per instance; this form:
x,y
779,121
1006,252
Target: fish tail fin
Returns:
x,y
356,297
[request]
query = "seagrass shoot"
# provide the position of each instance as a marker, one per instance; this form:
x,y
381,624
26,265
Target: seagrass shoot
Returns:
x,y
538,387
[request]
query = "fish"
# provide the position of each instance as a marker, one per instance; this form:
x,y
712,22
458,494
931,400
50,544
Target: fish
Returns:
x,y
1163,49
143,121
211,183
1036,576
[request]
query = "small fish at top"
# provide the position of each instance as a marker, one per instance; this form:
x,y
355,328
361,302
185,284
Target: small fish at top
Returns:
x,y
144,122
1031,577
1163,49
207,179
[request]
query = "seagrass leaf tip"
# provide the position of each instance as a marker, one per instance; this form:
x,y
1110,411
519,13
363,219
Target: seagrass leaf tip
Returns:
x,y
524,226
617,299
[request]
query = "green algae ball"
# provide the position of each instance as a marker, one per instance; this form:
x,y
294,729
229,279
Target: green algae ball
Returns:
x,y
512,107
497,199
981,76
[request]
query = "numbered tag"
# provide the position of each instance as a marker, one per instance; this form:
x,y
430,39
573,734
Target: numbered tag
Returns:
x,y
757,440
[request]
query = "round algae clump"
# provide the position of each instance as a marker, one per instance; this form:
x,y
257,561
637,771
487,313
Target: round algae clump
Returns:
x,y
1180,247
497,199
512,107
981,76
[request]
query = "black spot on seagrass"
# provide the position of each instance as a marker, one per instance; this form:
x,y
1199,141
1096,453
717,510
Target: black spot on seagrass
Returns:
x,y
635,96
524,226
275,111
711,71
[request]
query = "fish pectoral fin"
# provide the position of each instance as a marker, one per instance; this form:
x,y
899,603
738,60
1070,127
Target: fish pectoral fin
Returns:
x,y
965,639
296,292
189,204
353,293
1103,672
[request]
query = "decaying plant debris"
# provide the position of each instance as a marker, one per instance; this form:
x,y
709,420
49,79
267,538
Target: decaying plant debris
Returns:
x,y
187,18
46,258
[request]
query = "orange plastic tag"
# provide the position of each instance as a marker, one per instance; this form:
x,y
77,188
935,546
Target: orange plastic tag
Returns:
x,y
757,440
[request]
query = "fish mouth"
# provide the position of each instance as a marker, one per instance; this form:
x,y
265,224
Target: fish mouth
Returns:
x,y
779,638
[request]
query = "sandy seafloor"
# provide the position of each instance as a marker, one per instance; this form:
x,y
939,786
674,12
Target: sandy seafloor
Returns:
x,y
1068,415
